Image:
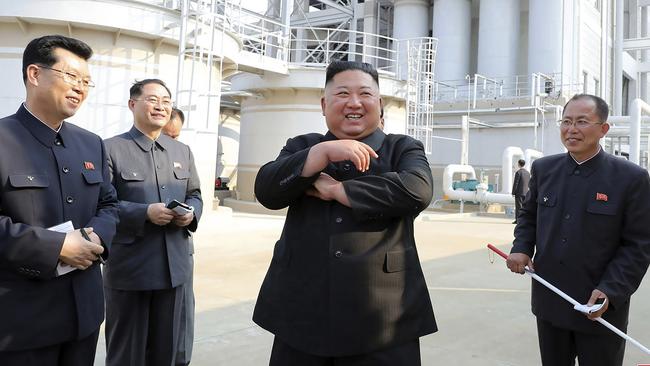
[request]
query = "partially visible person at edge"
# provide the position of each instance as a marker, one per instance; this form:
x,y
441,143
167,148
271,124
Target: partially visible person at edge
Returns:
x,y
52,172
520,187
145,280
585,220
345,285
186,333
175,124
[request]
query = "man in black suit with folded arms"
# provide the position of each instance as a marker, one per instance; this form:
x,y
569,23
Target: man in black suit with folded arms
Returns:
x,y
586,221
345,285
52,171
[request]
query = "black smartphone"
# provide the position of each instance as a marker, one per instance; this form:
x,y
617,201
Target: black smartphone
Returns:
x,y
179,207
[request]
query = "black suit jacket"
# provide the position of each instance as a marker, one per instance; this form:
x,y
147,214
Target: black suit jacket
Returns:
x,y
588,227
342,280
147,256
520,183
45,179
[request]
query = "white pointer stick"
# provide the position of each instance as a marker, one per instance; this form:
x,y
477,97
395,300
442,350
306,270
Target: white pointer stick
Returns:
x,y
574,303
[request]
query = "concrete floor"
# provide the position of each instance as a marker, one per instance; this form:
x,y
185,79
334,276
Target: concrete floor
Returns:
x,y
483,311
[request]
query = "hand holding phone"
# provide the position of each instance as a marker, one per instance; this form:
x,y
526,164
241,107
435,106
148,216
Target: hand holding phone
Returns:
x,y
180,208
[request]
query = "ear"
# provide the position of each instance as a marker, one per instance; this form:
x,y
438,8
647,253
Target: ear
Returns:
x,y
604,128
322,104
33,73
131,104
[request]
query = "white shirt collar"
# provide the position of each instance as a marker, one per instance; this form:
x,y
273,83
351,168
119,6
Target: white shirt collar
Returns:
x,y
586,160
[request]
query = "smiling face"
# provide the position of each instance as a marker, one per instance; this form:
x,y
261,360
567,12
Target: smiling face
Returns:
x,y
582,142
49,96
352,105
151,109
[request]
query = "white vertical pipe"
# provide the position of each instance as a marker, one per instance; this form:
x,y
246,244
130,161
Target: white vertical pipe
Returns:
x,y
452,25
618,60
507,165
464,144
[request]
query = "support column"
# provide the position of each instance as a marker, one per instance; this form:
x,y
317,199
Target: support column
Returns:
x,y
452,25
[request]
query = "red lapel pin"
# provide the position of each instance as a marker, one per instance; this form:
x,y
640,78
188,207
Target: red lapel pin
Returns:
x,y
89,165
601,197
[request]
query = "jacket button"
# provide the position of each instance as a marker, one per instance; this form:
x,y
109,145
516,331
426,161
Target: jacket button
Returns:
x,y
163,186
577,172
567,216
338,254
66,170
69,199
57,142
338,220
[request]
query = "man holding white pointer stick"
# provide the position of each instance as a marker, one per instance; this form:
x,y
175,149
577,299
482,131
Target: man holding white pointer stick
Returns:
x,y
586,219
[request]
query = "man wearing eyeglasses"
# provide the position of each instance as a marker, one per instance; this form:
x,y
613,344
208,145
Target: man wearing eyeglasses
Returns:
x,y
52,172
150,259
586,221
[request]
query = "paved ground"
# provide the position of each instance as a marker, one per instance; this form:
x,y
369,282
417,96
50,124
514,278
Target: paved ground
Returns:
x,y
482,309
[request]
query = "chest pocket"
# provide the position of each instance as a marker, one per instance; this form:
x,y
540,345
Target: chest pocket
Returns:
x,y
29,181
92,176
181,174
600,208
132,176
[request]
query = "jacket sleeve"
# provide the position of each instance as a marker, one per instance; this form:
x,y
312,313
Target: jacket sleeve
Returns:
x,y
526,229
105,221
29,250
278,183
193,193
625,271
405,191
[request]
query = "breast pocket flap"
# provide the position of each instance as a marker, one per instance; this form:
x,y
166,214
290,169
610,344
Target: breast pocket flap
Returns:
x,y
181,174
92,176
29,181
132,176
602,208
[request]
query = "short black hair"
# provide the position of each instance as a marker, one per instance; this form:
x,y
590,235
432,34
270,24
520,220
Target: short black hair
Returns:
x,y
136,88
339,66
602,109
41,50
521,162
178,113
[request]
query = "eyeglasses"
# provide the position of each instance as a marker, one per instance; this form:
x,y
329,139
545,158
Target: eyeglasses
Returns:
x,y
580,124
166,103
72,79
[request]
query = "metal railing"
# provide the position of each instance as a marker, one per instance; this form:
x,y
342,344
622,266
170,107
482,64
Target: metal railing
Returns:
x,y
480,87
311,46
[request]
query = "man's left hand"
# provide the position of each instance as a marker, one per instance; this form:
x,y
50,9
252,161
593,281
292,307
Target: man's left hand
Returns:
x,y
183,220
328,189
597,294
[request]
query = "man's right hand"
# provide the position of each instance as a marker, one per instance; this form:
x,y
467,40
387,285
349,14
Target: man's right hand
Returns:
x,y
159,214
517,262
339,150
79,252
